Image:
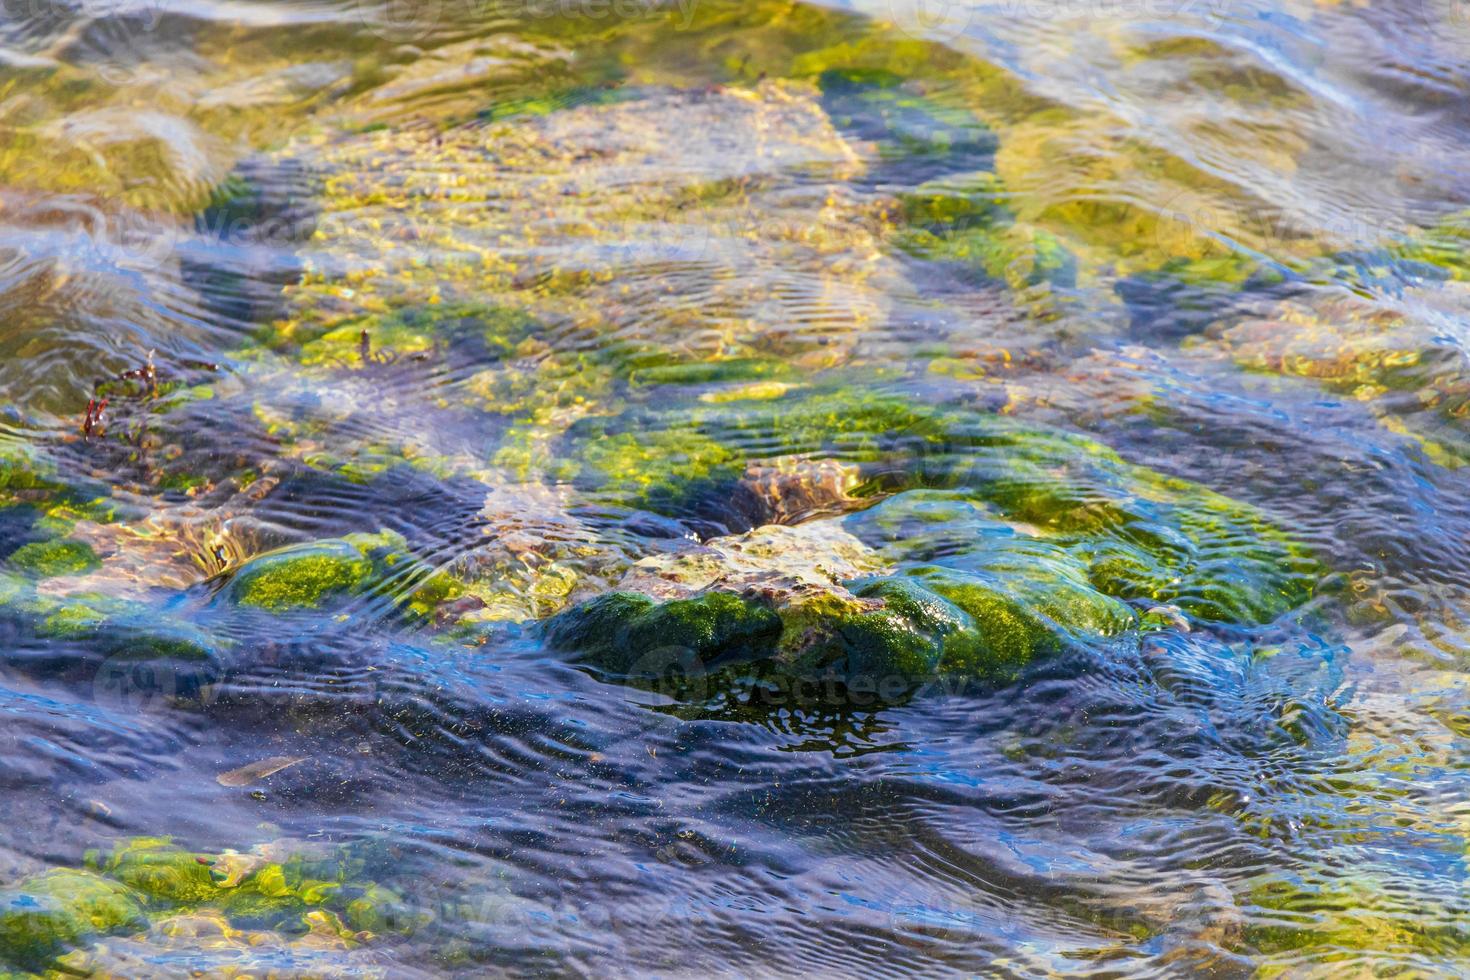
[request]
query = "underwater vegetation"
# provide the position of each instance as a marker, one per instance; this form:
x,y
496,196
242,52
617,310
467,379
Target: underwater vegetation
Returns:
x,y
745,488
284,896
999,543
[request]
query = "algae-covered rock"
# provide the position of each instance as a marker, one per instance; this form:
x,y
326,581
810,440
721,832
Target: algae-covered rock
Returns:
x,y
22,468
209,945
998,544
921,136
43,915
55,557
964,219
648,460
1329,923
577,194
183,905
616,631
1138,535
299,577
161,873
1441,246
814,600
518,245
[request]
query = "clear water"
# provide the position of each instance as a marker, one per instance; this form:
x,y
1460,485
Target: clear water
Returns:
x,y
491,309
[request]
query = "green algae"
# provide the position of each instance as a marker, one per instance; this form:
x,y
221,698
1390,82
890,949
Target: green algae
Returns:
x,y
145,881
965,219
1017,255
986,620
161,873
125,629
657,468
708,372
403,331
617,631
21,469
300,577
1331,922
1442,246
46,914
57,557
875,104
641,460
1139,534
72,621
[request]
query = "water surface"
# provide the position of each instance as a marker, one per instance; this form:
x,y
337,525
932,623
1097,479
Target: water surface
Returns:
x,y
1148,318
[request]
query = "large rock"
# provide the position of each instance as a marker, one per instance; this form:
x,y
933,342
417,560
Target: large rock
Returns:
x,y
1000,544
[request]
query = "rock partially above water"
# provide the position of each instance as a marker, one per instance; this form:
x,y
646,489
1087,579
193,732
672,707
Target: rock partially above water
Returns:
x,y
299,577
1002,544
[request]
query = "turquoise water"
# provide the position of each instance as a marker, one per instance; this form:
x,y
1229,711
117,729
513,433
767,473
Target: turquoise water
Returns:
x,y
752,489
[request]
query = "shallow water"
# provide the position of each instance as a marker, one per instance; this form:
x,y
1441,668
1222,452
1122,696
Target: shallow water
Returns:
x,y
1143,322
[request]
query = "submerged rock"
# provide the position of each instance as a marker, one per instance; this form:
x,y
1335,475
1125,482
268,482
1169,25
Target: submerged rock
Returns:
x,y
1390,356
534,247
277,904
814,600
46,914
1139,535
210,945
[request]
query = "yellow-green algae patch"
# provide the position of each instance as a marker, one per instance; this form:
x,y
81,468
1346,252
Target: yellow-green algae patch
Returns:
x,y
46,914
300,577
143,885
1322,923
55,557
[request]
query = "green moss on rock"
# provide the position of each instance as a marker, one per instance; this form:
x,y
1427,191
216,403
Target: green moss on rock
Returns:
x,y
20,469
894,629
621,631
300,577
161,873
1327,924
57,557
707,372
1020,619
875,104
72,620
659,469
380,911
44,915
121,628
1138,535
